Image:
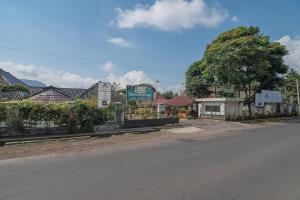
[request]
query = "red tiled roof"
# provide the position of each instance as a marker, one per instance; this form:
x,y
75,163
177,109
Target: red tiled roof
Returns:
x,y
182,100
35,90
160,99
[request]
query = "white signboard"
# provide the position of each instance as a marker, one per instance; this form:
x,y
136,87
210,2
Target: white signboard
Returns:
x,y
259,100
271,96
104,94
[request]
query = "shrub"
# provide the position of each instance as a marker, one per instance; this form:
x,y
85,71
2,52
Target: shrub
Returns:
x,y
75,116
260,116
3,111
14,88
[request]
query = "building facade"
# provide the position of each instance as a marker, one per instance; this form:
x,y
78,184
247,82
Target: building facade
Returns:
x,y
219,108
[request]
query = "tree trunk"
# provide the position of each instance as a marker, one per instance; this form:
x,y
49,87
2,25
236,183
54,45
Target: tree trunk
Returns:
x,y
249,99
215,91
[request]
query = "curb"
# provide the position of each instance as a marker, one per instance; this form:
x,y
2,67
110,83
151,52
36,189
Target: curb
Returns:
x,y
104,134
269,120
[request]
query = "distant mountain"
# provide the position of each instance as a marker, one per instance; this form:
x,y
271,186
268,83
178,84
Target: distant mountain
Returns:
x,y
33,83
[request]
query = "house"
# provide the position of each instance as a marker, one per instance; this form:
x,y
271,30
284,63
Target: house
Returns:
x,y
101,91
160,102
180,101
7,78
55,95
104,94
219,108
183,105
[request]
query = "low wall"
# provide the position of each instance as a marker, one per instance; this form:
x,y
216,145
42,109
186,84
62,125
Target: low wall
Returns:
x,y
217,117
106,127
149,122
30,132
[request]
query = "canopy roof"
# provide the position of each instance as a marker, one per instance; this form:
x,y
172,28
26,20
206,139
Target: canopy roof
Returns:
x,y
182,100
160,99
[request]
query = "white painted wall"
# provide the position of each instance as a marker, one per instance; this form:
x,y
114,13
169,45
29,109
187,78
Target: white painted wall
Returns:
x,y
160,108
233,109
104,94
201,107
227,108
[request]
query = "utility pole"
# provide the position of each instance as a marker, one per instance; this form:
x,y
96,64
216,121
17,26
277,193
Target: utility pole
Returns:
x,y
156,84
157,106
182,89
298,96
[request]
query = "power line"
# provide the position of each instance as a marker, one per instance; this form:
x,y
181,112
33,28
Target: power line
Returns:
x,y
62,56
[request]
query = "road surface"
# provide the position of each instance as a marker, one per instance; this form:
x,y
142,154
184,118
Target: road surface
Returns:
x,y
254,164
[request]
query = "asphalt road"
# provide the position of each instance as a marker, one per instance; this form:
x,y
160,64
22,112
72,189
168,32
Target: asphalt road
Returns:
x,y
256,164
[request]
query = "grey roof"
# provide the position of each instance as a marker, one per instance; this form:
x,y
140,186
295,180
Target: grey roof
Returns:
x,y
3,81
90,91
54,94
73,92
35,90
7,79
10,78
12,95
51,95
70,92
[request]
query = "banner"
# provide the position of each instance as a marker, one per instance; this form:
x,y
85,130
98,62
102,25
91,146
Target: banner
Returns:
x,y
267,97
259,100
271,96
142,92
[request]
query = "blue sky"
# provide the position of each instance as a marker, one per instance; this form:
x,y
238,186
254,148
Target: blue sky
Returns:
x,y
130,41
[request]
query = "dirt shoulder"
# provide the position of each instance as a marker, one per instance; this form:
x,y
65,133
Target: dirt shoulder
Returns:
x,y
91,143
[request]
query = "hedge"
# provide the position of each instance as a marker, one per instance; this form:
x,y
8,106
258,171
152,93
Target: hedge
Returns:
x,y
75,116
258,116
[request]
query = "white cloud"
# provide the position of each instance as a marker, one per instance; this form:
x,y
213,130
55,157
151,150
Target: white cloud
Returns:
x,y
109,66
235,19
120,42
172,15
49,77
130,78
293,45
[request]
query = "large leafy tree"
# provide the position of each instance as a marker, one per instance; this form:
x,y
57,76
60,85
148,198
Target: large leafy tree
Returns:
x,y
290,83
198,80
169,95
241,59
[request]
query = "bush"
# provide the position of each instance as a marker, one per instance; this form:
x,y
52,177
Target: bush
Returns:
x,y
14,88
76,116
193,114
259,116
2,112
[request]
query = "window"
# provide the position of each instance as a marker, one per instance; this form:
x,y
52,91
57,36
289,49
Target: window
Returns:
x,y
212,108
104,103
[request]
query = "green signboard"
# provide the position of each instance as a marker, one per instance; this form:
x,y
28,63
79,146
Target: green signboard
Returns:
x,y
142,92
